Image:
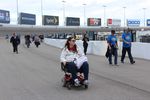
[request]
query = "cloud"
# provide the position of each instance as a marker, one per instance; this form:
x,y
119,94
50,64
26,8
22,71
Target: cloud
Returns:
x,y
93,8
105,1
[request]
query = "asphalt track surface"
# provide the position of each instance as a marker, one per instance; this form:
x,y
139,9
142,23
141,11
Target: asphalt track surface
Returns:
x,y
35,74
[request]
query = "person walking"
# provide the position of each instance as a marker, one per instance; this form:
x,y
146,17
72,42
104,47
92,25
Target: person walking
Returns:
x,y
113,47
15,40
37,41
27,40
127,39
7,37
85,43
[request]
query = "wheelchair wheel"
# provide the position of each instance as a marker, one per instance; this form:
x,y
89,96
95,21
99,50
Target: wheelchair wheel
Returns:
x,y
86,86
63,82
68,85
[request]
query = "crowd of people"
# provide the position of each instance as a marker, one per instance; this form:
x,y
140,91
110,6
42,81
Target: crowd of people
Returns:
x,y
37,39
112,40
16,39
74,58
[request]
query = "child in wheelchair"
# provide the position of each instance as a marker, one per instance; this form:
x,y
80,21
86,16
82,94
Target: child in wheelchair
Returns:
x,y
76,71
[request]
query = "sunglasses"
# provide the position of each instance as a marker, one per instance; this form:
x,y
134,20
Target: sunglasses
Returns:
x,y
73,40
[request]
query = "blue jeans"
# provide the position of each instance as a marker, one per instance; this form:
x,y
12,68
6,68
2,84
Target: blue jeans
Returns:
x,y
71,68
114,52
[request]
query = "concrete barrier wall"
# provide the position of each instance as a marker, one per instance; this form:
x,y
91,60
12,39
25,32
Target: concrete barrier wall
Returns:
x,y
139,50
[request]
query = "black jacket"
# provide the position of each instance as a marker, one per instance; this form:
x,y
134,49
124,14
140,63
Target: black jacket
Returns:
x,y
110,51
15,40
85,41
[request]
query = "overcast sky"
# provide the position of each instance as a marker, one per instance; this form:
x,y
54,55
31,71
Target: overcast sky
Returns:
x,y
74,8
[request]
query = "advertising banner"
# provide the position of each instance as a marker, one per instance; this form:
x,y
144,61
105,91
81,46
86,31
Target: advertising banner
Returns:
x,y
72,21
26,18
114,22
94,22
133,22
4,16
50,20
148,22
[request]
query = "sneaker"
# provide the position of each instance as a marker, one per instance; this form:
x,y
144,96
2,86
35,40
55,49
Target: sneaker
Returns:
x,y
132,62
86,82
76,82
110,64
122,62
116,65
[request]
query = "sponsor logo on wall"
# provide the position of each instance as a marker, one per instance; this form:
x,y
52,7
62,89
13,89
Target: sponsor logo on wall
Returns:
x,y
114,22
26,18
50,20
94,22
148,22
72,21
133,22
4,16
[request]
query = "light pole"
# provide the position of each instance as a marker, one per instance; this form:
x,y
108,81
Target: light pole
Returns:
x,y
104,16
17,10
144,15
84,14
124,8
41,10
64,11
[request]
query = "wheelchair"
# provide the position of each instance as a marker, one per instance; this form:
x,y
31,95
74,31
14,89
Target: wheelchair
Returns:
x,y
67,80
